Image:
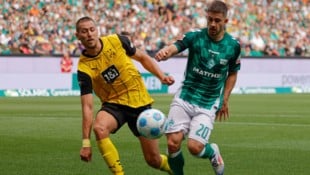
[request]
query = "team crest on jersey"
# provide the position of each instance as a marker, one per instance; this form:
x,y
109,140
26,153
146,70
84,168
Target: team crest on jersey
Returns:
x,y
211,63
111,53
212,57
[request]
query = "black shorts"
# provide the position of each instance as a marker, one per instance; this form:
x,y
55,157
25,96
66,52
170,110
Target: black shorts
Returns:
x,y
124,114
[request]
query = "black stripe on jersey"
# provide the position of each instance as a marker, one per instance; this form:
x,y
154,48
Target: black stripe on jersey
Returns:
x,y
127,45
85,83
181,45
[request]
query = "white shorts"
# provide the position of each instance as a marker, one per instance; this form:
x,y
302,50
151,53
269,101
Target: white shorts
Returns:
x,y
195,121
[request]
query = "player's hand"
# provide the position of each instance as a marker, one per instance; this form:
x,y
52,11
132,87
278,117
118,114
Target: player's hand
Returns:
x,y
86,154
223,113
168,80
162,54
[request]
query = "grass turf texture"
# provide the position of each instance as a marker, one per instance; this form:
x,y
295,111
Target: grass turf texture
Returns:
x,y
266,134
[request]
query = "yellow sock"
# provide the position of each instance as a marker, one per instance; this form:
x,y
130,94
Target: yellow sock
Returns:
x,y
110,155
164,165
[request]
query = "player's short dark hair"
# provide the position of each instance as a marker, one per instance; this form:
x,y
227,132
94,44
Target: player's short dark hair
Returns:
x,y
125,33
85,18
218,6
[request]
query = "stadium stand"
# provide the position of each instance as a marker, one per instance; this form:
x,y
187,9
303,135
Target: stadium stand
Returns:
x,y
263,27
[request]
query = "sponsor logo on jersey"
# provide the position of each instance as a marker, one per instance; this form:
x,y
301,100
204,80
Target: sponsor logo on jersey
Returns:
x,y
214,52
223,61
206,73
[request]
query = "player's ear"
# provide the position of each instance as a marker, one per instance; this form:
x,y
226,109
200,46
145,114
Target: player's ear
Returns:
x,y
226,20
77,35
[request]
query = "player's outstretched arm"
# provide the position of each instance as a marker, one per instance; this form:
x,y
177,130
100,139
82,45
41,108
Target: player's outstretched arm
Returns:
x,y
149,64
166,52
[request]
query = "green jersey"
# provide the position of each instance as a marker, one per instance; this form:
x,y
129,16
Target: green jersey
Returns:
x,y
208,65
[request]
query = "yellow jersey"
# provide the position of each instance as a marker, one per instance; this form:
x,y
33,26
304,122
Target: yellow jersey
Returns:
x,y
112,74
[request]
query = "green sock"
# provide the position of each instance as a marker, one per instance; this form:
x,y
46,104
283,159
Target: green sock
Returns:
x,y
176,162
207,152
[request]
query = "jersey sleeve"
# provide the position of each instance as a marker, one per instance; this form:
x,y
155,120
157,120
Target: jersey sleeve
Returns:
x,y
127,45
84,83
185,42
235,63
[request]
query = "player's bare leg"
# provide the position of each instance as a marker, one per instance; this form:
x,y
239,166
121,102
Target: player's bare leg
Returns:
x,y
151,152
208,151
103,125
175,157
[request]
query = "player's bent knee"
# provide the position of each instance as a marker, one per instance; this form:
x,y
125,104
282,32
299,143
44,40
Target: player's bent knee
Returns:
x,y
100,131
194,147
173,147
174,142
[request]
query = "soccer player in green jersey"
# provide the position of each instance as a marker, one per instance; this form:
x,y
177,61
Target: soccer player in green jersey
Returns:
x,y
211,74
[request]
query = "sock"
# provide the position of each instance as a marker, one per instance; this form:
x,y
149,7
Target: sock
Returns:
x,y
176,162
164,165
110,155
207,152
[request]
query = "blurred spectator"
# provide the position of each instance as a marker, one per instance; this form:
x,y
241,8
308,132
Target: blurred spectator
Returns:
x,y
14,48
257,41
170,10
246,51
66,63
4,50
299,48
43,48
24,49
152,49
279,25
270,51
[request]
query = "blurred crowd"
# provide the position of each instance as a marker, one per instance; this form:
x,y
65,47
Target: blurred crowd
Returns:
x,y
47,27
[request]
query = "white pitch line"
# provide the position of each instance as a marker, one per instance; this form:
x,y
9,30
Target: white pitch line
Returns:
x,y
265,124
271,115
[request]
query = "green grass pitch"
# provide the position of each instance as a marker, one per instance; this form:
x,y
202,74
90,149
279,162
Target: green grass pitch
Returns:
x,y
265,135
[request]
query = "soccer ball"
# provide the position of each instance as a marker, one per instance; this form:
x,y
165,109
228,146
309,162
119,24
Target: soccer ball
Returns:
x,y
151,123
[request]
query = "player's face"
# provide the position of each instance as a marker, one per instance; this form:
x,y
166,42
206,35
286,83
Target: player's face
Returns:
x,y
216,25
87,33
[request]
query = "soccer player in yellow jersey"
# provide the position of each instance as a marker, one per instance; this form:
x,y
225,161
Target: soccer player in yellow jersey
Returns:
x,y
105,68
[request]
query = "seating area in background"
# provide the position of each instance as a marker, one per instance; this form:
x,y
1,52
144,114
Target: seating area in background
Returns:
x,y
263,27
